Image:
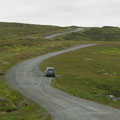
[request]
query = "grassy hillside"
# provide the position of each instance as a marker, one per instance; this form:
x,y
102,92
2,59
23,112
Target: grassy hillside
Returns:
x,y
24,42
20,31
95,34
92,73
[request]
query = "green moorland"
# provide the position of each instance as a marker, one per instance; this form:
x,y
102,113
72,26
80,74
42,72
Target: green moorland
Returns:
x,y
105,33
17,43
19,31
92,73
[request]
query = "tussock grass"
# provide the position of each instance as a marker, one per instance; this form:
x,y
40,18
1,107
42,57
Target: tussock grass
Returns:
x,y
91,73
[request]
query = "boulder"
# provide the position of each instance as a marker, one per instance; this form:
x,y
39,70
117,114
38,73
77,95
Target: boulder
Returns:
x,y
2,98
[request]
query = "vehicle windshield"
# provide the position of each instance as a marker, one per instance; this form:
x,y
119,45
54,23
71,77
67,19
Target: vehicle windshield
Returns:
x,y
51,70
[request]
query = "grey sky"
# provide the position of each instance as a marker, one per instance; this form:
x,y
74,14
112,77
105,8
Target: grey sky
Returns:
x,y
62,12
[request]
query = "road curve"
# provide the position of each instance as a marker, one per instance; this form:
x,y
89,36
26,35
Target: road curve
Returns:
x,y
58,34
30,81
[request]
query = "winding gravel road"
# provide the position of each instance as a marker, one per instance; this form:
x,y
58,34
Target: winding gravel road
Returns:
x,y
30,81
57,34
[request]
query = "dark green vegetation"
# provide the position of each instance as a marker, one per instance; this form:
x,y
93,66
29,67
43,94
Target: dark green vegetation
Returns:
x,y
91,73
95,34
17,43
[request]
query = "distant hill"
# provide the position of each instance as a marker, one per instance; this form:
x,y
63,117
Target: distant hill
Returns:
x,y
18,30
106,33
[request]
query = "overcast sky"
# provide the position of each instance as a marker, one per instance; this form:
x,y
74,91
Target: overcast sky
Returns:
x,y
62,12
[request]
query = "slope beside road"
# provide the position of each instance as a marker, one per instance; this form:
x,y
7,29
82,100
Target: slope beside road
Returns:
x,y
58,34
30,81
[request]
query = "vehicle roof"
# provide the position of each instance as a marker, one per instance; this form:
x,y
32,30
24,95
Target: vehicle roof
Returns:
x,y
50,67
